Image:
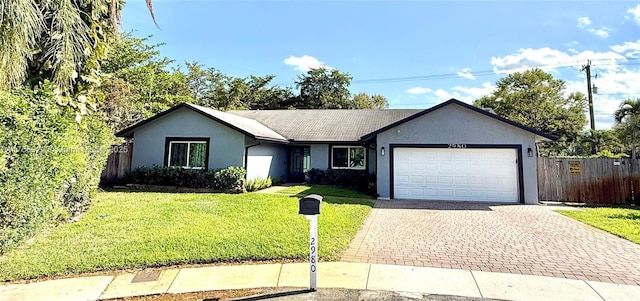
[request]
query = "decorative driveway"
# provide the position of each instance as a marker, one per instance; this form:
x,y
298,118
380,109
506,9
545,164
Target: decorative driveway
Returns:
x,y
520,239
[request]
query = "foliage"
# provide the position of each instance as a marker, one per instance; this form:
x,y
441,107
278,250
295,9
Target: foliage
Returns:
x,y
357,179
534,98
325,191
211,88
49,164
622,222
627,125
323,88
59,41
138,83
258,183
608,154
605,143
366,101
228,179
143,230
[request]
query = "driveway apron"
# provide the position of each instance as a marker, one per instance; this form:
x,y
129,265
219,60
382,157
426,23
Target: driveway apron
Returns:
x,y
520,239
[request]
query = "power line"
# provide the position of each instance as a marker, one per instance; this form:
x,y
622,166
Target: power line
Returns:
x,y
478,73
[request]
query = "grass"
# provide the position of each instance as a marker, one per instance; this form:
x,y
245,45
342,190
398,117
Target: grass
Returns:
x,y
622,222
137,230
303,190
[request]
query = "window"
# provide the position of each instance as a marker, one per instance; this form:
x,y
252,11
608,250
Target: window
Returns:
x,y
191,153
348,157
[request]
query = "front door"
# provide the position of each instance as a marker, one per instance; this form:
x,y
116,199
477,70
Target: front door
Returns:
x,y
299,162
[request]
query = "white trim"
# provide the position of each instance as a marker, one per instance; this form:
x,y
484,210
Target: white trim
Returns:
x,y
188,142
348,148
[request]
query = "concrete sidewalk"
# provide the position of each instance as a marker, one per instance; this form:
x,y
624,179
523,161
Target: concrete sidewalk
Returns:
x,y
360,276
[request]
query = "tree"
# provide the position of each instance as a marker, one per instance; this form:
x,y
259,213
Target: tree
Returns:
x,y
138,83
211,88
366,101
323,88
599,143
627,119
534,98
56,40
61,41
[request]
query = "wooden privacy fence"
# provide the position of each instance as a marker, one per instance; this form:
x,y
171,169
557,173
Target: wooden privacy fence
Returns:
x,y
588,180
118,163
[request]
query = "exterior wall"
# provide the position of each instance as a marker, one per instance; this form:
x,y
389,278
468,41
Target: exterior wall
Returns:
x,y
267,160
371,159
226,145
456,125
319,156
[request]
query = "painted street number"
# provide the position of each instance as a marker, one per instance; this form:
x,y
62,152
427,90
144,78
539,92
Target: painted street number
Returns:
x,y
313,254
574,167
457,146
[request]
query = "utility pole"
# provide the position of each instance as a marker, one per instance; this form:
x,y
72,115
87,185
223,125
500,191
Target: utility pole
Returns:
x,y
587,68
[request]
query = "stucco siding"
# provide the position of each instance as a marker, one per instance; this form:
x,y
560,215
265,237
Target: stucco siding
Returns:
x,y
267,160
226,144
320,156
457,125
371,159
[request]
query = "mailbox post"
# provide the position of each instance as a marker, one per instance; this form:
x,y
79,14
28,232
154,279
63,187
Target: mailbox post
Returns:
x,y
310,207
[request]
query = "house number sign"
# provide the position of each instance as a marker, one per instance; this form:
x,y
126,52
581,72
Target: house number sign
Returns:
x,y
457,146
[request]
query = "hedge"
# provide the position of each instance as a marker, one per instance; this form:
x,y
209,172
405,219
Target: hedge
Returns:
x,y
229,179
49,164
357,179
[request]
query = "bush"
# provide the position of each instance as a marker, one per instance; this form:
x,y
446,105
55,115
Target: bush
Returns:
x,y
258,183
49,164
229,179
358,179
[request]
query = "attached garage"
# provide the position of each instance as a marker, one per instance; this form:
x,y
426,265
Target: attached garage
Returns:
x,y
457,152
460,173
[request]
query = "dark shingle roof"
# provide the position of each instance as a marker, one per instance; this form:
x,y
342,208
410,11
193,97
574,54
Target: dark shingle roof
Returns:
x,y
326,125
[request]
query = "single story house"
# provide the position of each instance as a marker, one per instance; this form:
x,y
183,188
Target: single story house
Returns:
x,y
452,151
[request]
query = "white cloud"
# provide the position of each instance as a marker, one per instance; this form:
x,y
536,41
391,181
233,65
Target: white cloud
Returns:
x,y
550,59
466,73
584,22
628,49
600,32
418,90
465,94
635,13
443,95
527,58
304,63
474,93
616,78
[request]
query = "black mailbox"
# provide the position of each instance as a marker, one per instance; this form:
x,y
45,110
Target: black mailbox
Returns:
x,y
310,205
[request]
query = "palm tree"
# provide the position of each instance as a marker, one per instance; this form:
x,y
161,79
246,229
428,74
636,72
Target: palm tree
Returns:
x,y
628,121
57,40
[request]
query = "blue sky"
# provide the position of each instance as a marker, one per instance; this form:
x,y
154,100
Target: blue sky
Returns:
x,y
415,53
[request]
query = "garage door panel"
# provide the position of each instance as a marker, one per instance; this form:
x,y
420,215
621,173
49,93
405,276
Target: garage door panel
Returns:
x,y
455,174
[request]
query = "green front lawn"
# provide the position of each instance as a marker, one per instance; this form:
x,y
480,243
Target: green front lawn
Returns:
x,y
137,230
303,190
619,221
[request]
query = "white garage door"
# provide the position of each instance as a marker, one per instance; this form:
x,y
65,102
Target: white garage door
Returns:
x,y
451,174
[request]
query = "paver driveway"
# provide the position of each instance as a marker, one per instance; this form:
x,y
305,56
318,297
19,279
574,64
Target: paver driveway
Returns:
x,y
523,239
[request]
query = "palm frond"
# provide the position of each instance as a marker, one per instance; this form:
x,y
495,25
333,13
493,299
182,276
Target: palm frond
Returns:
x,y
21,23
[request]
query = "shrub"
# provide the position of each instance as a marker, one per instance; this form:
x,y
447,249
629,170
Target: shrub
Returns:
x,y
360,180
258,183
49,163
229,179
